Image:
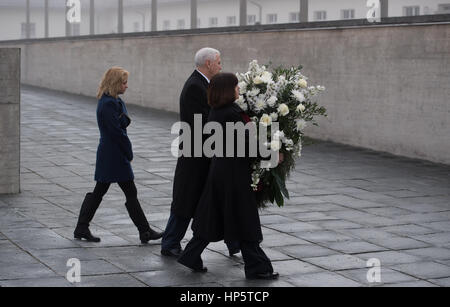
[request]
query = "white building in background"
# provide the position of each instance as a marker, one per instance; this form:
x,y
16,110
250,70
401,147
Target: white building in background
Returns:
x,y
176,14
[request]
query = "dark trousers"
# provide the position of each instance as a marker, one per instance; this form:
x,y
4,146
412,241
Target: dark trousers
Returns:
x,y
176,230
93,200
255,260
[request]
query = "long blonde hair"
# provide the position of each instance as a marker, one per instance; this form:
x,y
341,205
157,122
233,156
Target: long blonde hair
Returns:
x,y
112,81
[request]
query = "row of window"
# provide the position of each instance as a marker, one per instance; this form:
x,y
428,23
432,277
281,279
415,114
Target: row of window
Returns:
x,y
273,18
251,20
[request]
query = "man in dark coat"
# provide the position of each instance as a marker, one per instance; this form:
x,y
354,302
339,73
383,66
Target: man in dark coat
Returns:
x,y
191,172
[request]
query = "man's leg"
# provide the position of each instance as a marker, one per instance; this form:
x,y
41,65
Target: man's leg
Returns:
x,y
175,231
234,247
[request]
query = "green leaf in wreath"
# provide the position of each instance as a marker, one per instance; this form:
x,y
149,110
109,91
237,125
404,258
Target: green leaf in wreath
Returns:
x,y
281,184
279,198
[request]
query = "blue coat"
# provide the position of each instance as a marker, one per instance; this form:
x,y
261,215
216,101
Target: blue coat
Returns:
x,y
114,152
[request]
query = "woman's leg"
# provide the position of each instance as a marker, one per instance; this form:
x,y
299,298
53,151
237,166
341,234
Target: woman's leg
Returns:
x,y
134,207
191,257
101,189
88,208
256,261
137,214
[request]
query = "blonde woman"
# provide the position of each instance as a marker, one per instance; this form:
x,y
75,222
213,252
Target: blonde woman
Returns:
x,y
114,155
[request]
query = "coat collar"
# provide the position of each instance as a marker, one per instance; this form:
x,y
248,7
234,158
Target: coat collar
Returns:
x,y
200,77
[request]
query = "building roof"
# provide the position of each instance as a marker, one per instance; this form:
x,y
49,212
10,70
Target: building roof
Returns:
x,y
98,3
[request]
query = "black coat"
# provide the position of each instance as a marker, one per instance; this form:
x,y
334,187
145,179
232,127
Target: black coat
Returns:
x,y
114,152
227,208
191,173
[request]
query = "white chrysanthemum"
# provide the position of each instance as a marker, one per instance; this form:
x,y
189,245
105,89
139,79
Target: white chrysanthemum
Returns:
x,y
260,105
266,120
272,100
321,88
274,116
303,83
299,96
283,109
301,124
289,144
279,135
241,103
254,92
253,64
301,108
243,87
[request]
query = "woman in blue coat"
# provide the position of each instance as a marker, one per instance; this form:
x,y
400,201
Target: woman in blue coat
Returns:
x,y
114,156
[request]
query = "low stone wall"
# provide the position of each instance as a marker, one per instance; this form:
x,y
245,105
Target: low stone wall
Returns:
x,y
10,121
388,86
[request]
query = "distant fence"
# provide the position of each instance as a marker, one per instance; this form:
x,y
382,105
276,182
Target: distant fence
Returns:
x,y
388,85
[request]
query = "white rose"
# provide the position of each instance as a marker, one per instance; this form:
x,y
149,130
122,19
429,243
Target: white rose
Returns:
x,y
272,100
258,80
298,95
301,108
266,77
283,109
266,120
275,145
274,116
303,83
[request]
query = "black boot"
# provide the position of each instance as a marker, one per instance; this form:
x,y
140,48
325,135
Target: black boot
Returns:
x,y
138,217
87,212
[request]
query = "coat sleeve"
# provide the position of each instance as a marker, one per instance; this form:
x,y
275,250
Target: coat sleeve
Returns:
x,y
198,103
110,115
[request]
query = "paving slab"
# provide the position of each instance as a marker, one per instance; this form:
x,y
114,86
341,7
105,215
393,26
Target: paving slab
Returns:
x,y
428,270
322,279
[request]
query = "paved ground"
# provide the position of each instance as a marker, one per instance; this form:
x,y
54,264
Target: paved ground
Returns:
x,y
348,205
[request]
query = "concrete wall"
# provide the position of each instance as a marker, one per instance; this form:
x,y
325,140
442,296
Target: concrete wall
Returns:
x,y
388,87
10,121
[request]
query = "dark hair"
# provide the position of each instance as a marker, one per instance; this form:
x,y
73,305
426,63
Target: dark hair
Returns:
x,y
222,90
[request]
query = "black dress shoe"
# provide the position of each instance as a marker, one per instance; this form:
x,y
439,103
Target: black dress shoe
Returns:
x,y
150,235
234,251
86,234
199,269
174,252
265,276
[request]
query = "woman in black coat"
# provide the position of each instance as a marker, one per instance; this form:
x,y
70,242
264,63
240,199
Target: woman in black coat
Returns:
x,y
114,156
227,209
